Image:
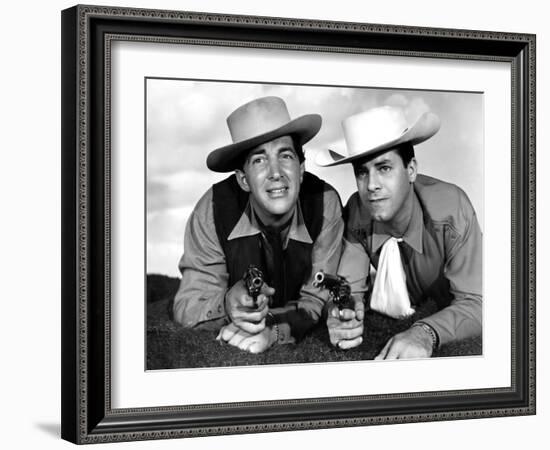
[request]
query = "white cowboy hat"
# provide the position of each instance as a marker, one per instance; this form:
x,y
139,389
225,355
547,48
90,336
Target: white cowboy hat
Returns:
x,y
256,122
376,130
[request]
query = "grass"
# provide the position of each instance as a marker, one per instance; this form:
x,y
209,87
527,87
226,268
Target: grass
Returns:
x,y
169,345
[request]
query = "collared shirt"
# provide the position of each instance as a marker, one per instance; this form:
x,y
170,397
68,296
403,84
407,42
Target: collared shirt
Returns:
x,y
248,226
200,298
441,255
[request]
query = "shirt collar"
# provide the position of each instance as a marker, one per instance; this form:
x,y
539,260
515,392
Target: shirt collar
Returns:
x,y
413,235
248,225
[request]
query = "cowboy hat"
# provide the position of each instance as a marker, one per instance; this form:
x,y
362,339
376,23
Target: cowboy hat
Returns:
x,y
376,130
255,123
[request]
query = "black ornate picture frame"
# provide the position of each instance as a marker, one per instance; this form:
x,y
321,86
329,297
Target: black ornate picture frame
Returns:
x,y
88,33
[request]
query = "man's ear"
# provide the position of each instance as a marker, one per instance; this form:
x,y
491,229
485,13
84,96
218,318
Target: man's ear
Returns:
x,y
241,179
412,170
302,170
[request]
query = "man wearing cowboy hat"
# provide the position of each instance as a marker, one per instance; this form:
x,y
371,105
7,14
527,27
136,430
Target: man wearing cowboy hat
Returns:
x,y
269,213
420,234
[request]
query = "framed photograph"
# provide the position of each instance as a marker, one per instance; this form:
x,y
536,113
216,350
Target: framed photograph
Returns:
x,y
177,147
150,100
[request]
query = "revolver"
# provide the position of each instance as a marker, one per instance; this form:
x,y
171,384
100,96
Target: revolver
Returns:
x,y
253,280
340,290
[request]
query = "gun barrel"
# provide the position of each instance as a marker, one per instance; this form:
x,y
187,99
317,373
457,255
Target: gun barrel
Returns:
x,y
327,280
338,286
253,279
319,278
256,282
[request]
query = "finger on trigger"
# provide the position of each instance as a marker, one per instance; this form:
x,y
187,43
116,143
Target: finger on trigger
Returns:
x,y
267,290
359,309
346,314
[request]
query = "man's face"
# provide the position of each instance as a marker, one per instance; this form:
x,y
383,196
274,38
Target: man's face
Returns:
x,y
384,187
272,174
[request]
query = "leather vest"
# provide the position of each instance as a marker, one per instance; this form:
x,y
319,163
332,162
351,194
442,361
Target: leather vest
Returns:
x,y
229,203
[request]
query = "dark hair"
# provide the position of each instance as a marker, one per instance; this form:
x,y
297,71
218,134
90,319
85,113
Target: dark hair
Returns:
x,y
406,151
297,148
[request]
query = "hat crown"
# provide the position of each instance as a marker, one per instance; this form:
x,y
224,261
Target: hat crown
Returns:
x,y
376,130
372,128
260,116
256,122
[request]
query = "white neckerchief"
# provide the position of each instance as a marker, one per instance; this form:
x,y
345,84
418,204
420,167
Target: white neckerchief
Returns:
x,y
389,295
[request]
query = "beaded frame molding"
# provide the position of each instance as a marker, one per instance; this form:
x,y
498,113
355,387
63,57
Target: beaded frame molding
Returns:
x,y
87,35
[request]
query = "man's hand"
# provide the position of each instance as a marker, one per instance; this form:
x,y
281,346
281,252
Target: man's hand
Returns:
x,y
240,307
253,343
412,343
345,327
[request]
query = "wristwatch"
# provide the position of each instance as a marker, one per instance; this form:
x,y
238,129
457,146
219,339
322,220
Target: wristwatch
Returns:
x,y
431,332
271,321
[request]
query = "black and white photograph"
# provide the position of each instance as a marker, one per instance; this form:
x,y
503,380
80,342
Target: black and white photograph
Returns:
x,y
294,223
282,224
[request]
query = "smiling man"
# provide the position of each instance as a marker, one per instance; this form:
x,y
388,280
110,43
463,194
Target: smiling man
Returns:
x,y
420,234
269,213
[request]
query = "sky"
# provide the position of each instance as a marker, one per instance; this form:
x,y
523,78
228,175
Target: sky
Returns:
x,y
186,120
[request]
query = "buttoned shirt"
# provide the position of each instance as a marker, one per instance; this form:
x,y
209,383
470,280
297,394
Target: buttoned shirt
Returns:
x,y
199,301
441,254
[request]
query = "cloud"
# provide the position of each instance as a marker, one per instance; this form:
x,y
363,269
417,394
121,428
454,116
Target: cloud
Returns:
x,y
397,100
414,106
183,125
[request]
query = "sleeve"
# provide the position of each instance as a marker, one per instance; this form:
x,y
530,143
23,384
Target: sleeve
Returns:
x,y
355,262
463,268
199,301
297,317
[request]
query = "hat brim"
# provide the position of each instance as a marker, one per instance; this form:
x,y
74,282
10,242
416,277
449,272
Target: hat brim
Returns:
x,y
229,157
424,128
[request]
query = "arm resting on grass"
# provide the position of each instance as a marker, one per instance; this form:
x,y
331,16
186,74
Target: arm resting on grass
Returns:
x,y
199,301
463,268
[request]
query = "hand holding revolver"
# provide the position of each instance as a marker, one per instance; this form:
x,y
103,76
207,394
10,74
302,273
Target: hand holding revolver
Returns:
x,y
246,303
345,312
253,280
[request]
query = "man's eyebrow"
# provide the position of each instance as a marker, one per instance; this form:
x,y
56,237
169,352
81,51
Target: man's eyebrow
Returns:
x,y
262,151
287,149
257,152
384,162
